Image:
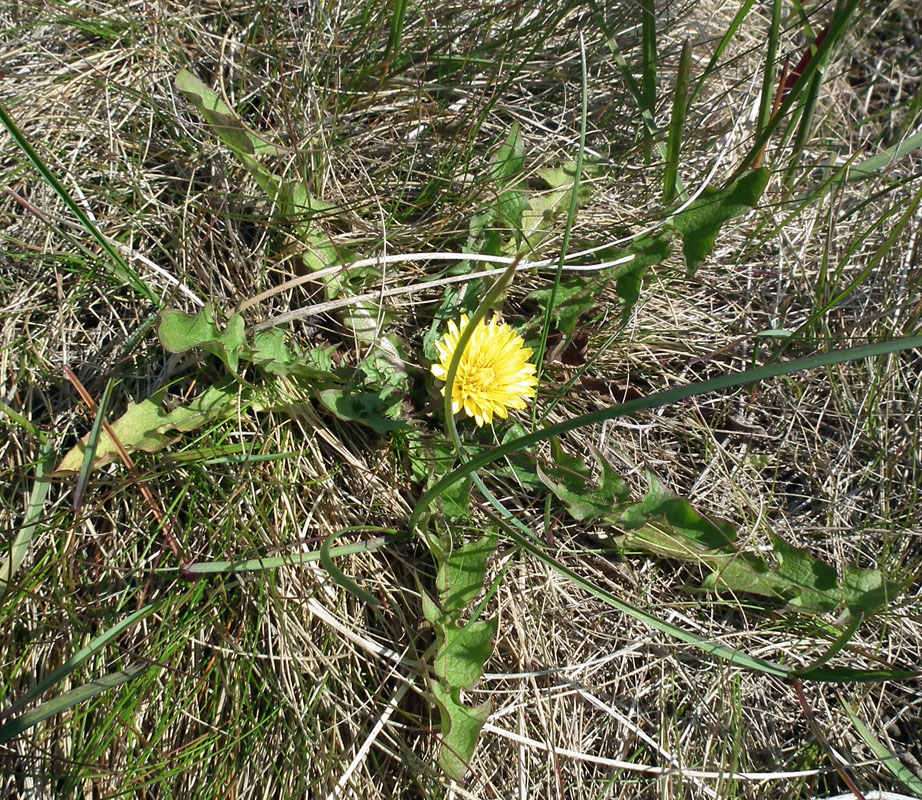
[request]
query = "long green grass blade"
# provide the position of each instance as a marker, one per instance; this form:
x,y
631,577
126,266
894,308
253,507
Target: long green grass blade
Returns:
x,y
29,528
877,163
903,774
767,99
398,19
80,657
120,267
48,709
677,124
837,30
725,40
275,562
836,647
648,52
804,126
849,675
338,576
712,648
92,443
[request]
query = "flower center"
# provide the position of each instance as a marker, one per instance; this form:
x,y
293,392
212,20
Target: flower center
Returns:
x,y
479,378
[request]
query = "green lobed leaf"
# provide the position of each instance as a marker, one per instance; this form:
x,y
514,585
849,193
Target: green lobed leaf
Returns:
x,y
146,426
700,223
537,219
456,500
509,160
221,117
291,196
809,584
570,480
668,526
463,650
572,299
508,163
461,726
648,252
374,409
866,590
629,286
180,332
270,353
385,364
682,518
665,525
296,203
461,575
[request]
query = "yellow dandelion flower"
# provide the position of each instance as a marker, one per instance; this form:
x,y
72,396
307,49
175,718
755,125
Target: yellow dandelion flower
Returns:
x,y
493,374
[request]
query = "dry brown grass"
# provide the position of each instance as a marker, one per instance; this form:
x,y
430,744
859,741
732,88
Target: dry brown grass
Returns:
x,y
279,683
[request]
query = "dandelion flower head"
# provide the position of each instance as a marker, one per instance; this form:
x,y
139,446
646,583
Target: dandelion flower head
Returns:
x,y
494,373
